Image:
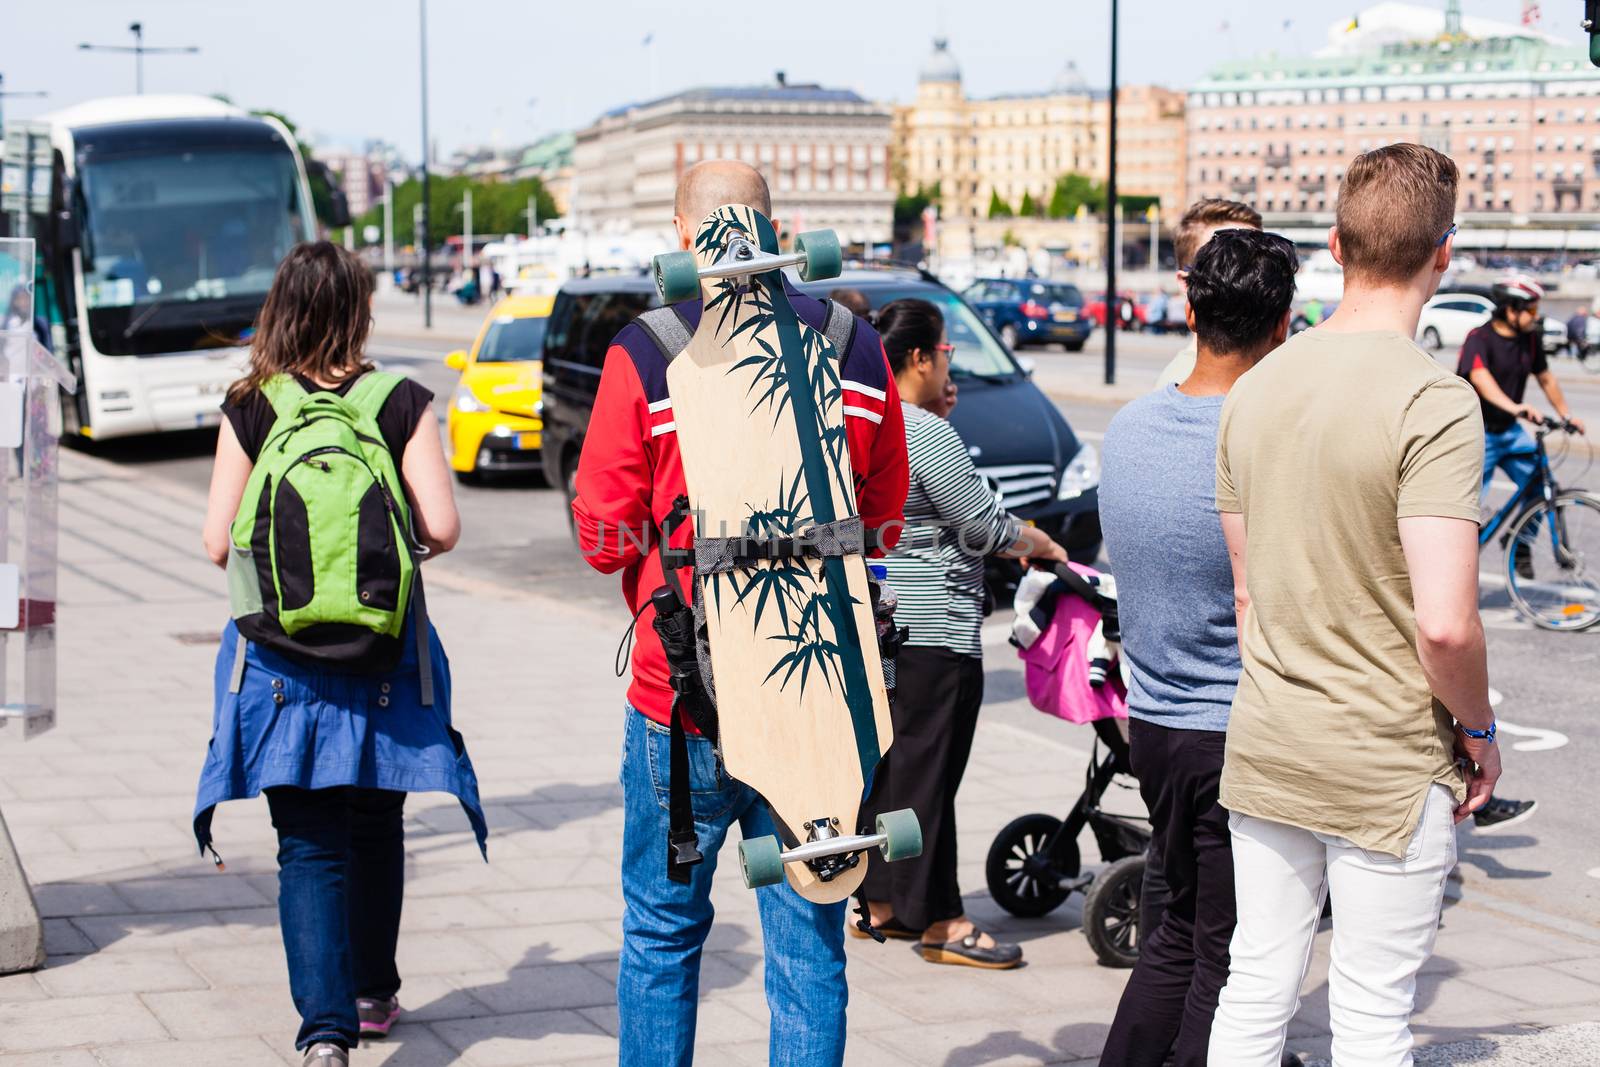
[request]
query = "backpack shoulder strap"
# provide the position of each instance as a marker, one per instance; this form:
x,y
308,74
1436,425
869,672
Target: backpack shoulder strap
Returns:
x,y
282,393
371,391
839,328
667,329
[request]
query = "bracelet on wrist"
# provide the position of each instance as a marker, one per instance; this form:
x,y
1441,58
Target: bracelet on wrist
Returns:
x,y
1478,735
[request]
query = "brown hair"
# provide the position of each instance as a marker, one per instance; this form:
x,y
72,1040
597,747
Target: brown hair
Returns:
x,y
1394,204
1202,216
315,320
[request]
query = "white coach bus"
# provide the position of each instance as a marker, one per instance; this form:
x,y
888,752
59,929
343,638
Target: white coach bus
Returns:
x,y
160,221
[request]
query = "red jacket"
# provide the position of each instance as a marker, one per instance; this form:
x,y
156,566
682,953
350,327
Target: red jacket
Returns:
x,y
630,472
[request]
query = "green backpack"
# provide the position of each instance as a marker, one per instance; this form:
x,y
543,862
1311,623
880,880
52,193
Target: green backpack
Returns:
x,y
324,561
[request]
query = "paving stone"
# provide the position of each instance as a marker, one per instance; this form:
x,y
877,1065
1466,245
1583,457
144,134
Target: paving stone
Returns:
x,y
233,1051
20,987
205,892
199,1014
534,1037
63,1058
58,899
523,989
35,1025
118,972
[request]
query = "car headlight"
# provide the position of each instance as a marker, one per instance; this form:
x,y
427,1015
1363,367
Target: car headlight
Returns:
x,y
466,401
1081,474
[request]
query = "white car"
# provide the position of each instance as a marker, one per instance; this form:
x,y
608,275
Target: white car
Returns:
x,y
1449,317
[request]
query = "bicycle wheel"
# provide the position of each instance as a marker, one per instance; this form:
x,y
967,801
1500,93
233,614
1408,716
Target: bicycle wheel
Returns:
x,y
1562,539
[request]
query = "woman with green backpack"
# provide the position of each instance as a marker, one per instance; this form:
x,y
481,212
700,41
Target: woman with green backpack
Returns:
x,y
332,690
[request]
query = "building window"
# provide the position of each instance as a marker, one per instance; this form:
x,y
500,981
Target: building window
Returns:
x,y
1472,201
1538,201
1538,116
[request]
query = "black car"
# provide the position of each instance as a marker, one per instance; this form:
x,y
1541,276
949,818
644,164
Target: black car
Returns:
x,y
1016,436
1028,311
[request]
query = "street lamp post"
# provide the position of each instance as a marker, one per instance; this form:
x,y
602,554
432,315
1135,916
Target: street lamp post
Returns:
x,y
427,273
388,226
139,51
1111,215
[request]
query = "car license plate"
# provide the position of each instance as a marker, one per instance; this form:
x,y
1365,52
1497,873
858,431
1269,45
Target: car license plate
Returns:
x,y
1066,316
527,440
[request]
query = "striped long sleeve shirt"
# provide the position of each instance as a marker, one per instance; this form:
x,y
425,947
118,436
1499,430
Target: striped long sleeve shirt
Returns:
x,y
953,521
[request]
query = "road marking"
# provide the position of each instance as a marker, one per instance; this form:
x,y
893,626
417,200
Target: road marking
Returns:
x,y
1538,740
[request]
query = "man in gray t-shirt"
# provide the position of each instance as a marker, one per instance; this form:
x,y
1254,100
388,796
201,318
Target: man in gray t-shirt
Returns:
x,y
1175,603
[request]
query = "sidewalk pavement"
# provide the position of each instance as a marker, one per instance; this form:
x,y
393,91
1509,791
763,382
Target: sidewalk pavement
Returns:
x,y
156,959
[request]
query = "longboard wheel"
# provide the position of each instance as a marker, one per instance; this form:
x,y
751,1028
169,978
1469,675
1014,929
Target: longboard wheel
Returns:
x,y
677,276
761,860
823,258
904,834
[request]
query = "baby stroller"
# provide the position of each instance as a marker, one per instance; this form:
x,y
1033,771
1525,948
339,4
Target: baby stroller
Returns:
x,y
1068,616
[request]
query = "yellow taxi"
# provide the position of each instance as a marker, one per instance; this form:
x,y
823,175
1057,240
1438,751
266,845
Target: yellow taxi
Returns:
x,y
494,422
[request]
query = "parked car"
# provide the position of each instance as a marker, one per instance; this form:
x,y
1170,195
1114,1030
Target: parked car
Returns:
x,y
1096,310
1554,335
1027,311
1448,317
494,422
1015,435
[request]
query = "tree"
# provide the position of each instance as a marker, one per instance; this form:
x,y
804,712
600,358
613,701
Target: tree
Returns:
x,y
908,207
1074,190
1029,207
1136,204
497,207
999,209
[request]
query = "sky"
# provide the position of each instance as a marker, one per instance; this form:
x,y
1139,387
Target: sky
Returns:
x,y
507,71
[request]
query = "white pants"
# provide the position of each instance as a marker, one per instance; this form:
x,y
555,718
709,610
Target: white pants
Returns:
x,y
1386,915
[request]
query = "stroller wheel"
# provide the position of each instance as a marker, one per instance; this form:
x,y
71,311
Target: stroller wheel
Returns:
x,y
1022,879
1111,912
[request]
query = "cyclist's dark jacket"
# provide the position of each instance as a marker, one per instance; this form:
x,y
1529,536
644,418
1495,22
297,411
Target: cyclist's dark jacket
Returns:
x,y
1510,361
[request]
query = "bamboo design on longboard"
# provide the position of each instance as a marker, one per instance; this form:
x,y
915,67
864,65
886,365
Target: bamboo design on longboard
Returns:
x,y
758,413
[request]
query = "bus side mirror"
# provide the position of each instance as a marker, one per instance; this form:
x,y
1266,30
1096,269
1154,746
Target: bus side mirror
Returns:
x,y
338,208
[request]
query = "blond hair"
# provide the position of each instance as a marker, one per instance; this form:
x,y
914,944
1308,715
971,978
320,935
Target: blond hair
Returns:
x,y
1395,204
1207,214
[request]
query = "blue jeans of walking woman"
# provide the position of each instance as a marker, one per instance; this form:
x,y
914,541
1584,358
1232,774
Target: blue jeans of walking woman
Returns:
x,y
665,924
341,879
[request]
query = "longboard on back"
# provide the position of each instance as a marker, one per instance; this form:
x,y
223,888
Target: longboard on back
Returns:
x,y
803,716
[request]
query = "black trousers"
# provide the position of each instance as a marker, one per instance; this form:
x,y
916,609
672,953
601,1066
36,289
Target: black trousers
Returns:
x,y
935,712
1183,963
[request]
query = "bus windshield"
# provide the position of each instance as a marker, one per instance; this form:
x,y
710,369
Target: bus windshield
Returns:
x,y
180,246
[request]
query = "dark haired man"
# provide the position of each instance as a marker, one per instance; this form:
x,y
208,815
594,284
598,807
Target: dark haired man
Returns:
x,y
1498,358
1175,589
1203,218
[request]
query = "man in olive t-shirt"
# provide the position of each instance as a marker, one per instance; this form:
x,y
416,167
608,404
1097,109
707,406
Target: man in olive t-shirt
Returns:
x,y
1348,467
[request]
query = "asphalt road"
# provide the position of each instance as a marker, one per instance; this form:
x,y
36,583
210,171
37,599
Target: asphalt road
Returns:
x,y
515,532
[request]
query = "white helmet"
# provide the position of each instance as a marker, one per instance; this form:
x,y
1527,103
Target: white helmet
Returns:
x,y
1516,289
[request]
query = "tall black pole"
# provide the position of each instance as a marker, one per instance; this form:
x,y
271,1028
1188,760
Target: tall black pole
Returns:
x,y
1111,215
427,269
138,57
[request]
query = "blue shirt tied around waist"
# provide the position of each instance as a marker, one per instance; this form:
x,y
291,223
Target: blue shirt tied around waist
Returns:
x,y
293,724
1164,538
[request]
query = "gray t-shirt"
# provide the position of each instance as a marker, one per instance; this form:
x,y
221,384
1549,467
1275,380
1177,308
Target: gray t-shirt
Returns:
x,y
1164,539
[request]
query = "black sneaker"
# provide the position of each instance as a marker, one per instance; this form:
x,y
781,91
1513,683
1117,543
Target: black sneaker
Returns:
x,y
1499,814
1522,559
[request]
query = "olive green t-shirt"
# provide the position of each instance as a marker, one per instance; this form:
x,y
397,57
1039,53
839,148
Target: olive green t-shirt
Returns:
x,y
1323,447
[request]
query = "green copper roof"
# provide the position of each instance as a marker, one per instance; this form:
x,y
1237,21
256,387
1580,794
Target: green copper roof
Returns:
x,y
552,152
1432,60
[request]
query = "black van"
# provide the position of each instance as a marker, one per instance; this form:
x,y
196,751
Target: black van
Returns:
x,y
1016,436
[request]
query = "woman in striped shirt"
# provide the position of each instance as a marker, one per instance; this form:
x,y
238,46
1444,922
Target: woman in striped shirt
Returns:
x,y
953,521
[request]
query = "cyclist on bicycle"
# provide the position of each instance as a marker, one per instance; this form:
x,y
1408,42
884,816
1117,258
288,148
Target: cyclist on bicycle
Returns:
x,y
1498,358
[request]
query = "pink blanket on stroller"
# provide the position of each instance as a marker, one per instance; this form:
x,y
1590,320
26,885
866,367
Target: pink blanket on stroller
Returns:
x,y
1056,666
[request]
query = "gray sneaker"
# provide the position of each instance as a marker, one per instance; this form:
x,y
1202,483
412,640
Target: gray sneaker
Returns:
x,y
326,1054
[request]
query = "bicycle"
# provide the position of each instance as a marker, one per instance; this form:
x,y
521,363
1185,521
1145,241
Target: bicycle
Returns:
x,y
1563,591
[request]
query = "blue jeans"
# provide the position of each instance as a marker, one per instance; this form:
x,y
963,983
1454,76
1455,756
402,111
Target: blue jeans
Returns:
x,y
1512,451
341,877
664,924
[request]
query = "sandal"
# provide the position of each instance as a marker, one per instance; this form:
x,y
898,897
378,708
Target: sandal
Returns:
x,y
967,952
893,929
